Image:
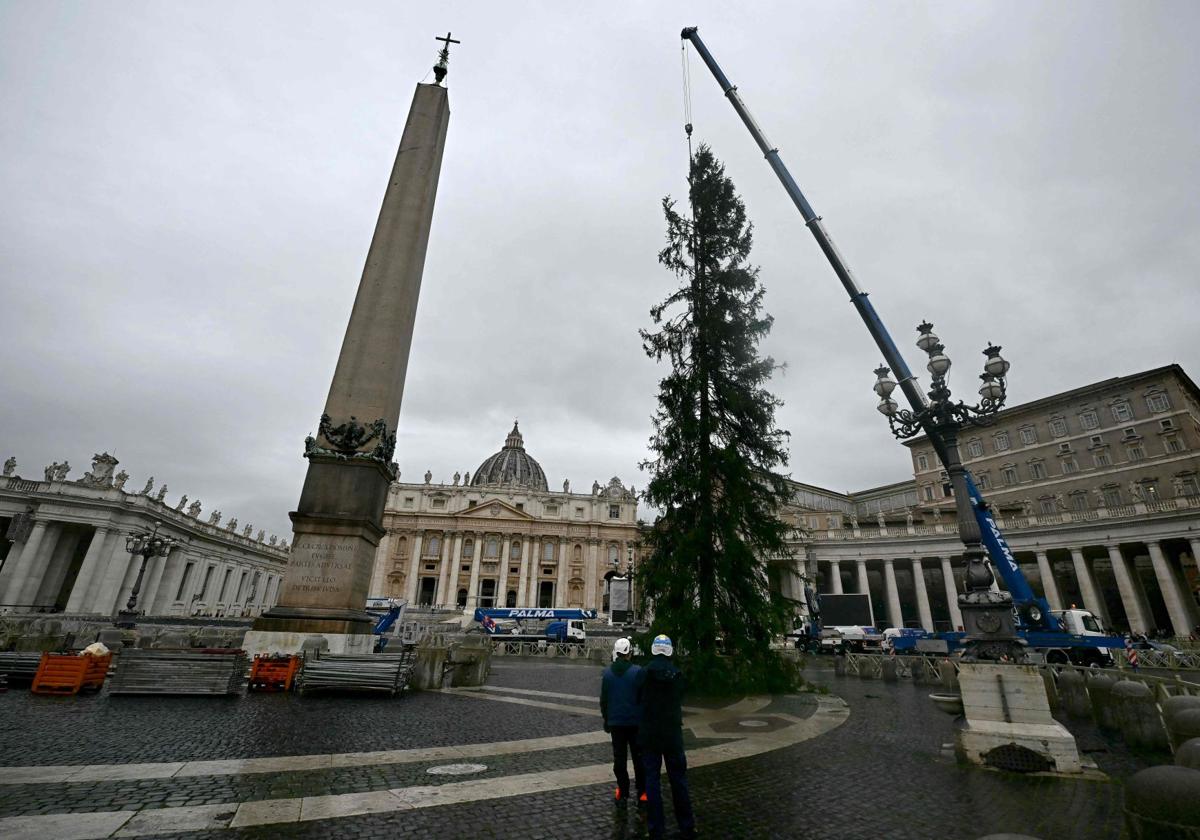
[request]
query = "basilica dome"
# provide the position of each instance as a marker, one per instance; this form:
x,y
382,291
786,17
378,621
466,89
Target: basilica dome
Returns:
x,y
511,467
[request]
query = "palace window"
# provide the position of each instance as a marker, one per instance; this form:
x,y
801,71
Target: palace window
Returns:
x,y
468,549
552,510
614,511
614,553
547,570
514,570
548,551
471,503
1167,425
1135,453
1079,502
975,448
1101,458
1129,433
983,482
438,504
579,513
1150,489
433,547
1188,486
1112,496
1058,427
1010,475
1173,444
1001,441
1028,436
1096,440
409,501
1122,412
1069,465
491,548
577,554
514,552
1037,470
922,462
1046,505
1089,419
1064,447
835,522
521,506
466,568
929,492
1158,402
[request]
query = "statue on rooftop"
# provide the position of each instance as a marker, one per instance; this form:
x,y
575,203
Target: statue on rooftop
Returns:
x,y
10,465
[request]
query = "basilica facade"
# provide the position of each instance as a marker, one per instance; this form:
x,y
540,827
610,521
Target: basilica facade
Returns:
x,y
501,537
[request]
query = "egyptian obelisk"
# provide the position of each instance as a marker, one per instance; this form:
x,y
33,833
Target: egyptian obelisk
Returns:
x,y
339,520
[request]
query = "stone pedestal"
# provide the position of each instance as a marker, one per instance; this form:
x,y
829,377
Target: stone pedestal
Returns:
x,y
267,641
1006,704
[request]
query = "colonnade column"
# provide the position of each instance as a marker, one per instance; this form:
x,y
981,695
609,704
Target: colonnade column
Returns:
x,y
1087,585
922,596
951,593
473,586
1129,594
111,574
1169,586
25,578
169,585
560,587
414,565
447,591
893,594
88,569
523,575
835,577
864,584
1049,584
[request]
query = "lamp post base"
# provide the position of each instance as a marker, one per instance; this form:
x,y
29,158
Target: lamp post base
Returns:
x,y
126,619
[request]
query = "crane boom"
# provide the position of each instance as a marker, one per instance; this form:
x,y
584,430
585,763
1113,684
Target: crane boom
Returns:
x,y
998,550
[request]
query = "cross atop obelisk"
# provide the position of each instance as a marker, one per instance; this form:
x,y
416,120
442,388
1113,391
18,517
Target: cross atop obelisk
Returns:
x,y
442,67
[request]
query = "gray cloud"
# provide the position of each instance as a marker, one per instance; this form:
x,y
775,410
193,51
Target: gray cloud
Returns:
x,y
190,189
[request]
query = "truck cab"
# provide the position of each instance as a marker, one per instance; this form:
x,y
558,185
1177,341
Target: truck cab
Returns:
x,y
1087,631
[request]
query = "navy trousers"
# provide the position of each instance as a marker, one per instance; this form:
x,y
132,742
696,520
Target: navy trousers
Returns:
x,y
680,797
624,742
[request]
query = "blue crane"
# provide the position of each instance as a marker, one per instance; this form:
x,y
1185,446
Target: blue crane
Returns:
x,y
1033,611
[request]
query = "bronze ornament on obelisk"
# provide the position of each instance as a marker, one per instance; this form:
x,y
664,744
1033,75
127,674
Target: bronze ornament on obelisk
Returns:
x,y
339,520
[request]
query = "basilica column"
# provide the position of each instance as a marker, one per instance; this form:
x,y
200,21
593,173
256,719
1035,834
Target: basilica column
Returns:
x,y
590,600
1176,607
32,562
835,577
383,564
895,616
560,587
951,593
414,566
473,586
1087,585
88,569
1129,594
1049,584
523,574
448,585
502,582
922,595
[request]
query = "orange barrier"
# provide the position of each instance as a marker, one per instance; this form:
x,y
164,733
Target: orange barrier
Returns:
x,y
273,673
65,674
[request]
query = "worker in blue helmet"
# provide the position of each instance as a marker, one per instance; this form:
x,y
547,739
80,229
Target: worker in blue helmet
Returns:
x,y
660,687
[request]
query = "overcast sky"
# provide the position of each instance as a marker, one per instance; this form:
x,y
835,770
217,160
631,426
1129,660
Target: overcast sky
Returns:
x,y
188,191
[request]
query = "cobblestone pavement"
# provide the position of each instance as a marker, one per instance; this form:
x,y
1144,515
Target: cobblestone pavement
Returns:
x,y
882,773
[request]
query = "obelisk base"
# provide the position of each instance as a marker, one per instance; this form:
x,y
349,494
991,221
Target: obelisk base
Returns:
x,y
269,642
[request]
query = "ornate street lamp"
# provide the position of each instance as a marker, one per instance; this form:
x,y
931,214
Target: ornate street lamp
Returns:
x,y
147,544
987,615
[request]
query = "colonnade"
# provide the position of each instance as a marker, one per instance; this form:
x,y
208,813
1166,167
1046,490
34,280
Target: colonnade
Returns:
x,y
84,569
1179,605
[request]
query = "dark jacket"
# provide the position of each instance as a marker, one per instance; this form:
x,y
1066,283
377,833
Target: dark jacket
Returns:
x,y
660,688
618,694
